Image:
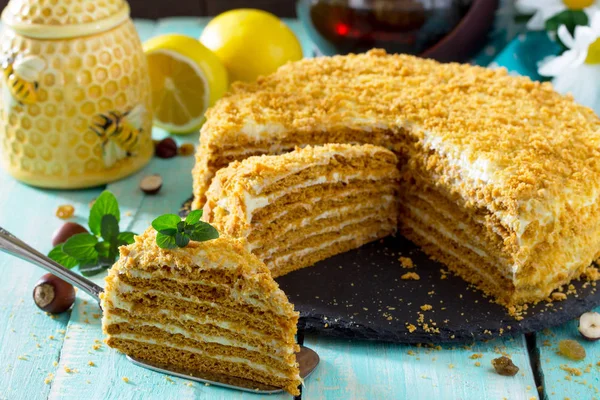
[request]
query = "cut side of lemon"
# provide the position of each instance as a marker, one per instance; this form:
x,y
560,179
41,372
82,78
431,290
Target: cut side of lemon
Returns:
x,y
186,79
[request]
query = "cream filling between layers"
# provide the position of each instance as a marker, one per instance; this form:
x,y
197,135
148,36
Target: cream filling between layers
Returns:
x,y
327,214
251,364
440,228
254,202
200,337
308,206
125,288
481,272
300,253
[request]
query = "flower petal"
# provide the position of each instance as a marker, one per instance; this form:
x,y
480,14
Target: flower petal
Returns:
x,y
557,65
565,36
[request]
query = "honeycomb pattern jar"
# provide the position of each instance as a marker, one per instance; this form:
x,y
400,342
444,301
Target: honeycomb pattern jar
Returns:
x,y
75,104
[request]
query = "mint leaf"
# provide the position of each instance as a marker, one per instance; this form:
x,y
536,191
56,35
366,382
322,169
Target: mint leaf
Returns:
x,y
109,228
81,246
568,18
166,224
57,254
181,239
126,237
165,242
203,232
105,204
103,249
91,267
193,217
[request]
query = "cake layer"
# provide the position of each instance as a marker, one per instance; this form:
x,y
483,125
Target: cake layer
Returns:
x,y
191,359
129,294
308,256
298,208
204,329
212,346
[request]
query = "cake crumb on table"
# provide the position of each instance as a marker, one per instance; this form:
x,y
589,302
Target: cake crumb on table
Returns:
x,y
426,307
410,275
411,328
558,296
125,379
406,262
49,378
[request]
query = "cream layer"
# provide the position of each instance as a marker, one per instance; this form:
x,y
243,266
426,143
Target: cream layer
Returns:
x,y
300,253
176,330
125,288
257,244
255,202
254,365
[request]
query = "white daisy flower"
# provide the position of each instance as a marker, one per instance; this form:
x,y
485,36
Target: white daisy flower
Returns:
x,y
577,70
543,10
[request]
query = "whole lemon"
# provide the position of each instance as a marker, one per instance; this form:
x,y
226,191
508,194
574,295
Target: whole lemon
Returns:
x,y
250,43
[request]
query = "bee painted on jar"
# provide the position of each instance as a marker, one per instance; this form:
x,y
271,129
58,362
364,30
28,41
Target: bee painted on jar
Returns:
x,y
119,133
21,76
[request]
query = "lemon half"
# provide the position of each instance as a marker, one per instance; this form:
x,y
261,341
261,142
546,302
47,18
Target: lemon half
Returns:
x,y
186,79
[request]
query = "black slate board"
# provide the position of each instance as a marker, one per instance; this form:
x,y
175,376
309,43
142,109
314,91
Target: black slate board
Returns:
x,y
359,295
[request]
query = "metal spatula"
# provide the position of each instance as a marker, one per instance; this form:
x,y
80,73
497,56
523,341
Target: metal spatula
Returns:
x,y
307,358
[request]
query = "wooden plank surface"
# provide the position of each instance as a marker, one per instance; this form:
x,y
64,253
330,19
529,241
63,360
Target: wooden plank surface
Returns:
x,y
349,370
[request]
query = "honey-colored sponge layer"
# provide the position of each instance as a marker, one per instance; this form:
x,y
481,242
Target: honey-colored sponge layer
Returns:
x,y
307,205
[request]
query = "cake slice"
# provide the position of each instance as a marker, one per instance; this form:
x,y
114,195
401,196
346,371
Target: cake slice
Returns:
x,y
307,205
210,307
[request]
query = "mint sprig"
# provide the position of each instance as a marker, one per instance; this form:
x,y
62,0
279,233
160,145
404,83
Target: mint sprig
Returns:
x,y
174,232
96,251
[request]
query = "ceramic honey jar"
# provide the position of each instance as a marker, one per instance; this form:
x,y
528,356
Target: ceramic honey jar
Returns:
x,y
75,102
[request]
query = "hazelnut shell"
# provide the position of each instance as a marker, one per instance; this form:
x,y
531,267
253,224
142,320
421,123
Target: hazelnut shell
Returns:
x,y
53,295
67,230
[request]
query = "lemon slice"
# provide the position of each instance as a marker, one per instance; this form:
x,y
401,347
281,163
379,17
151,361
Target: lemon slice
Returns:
x,y
186,79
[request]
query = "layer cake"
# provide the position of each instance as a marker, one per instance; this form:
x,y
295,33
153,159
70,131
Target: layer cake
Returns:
x,y
500,175
301,207
210,307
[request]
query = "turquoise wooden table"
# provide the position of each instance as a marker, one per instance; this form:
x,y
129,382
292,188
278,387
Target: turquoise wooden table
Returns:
x,y
63,357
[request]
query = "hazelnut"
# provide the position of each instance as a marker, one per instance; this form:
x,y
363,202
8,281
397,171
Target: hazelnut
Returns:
x,y
166,148
589,325
53,295
67,230
151,184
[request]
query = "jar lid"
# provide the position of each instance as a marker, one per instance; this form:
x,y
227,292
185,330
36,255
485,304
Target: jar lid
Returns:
x,y
56,19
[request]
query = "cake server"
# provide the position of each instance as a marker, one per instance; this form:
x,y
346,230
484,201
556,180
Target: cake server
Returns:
x,y
307,359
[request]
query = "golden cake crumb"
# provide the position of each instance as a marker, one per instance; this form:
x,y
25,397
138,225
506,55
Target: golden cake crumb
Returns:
x,y
558,296
406,262
49,378
410,276
411,328
476,356
426,307
125,379
91,363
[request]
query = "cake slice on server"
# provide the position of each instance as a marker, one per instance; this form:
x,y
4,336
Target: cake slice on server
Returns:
x,y
301,207
211,307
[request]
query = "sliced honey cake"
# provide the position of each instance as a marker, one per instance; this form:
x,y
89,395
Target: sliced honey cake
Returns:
x,y
301,207
500,175
210,307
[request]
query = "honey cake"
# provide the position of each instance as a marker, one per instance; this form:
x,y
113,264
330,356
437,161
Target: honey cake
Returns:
x,y
307,205
500,174
211,307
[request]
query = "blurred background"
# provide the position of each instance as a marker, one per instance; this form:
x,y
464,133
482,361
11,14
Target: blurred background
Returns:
x,y
154,9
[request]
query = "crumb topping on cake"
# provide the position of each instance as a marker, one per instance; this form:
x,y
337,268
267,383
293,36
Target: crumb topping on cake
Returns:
x,y
527,140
